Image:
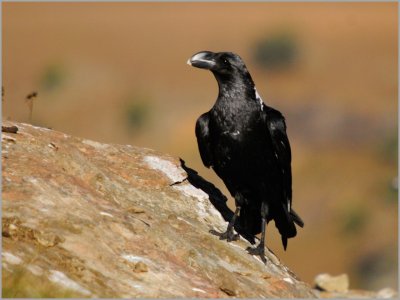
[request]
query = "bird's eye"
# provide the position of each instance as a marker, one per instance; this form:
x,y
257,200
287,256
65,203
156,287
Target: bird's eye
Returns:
x,y
225,61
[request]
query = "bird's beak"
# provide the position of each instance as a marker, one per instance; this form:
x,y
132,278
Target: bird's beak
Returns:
x,y
203,60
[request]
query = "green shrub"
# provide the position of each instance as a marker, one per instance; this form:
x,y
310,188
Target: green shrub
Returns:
x,y
276,51
388,149
137,112
354,220
53,76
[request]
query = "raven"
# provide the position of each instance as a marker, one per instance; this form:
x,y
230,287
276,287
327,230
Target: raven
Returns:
x,y
244,141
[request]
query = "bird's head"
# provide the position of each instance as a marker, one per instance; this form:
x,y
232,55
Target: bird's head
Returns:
x,y
222,64
230,71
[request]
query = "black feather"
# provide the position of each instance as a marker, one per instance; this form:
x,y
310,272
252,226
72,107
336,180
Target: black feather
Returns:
x,y
203,138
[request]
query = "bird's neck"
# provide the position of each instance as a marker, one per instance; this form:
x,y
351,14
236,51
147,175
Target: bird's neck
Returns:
x,y
235,87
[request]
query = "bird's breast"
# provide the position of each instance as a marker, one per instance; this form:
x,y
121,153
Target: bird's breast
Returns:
x,y
233,134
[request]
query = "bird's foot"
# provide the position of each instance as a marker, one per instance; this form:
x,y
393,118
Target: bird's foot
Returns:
x,y
258,251
228,235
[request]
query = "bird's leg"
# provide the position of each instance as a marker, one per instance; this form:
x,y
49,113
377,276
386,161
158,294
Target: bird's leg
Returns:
x,y
229,235
260,249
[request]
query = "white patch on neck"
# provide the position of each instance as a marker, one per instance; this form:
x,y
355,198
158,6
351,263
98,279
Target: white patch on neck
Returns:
x,y
258,97
236,132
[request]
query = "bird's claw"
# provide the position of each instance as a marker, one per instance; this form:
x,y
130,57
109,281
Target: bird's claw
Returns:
x,y
258,251
228,235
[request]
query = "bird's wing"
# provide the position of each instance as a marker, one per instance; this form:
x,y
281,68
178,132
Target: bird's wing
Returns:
x,y
276,125
203,139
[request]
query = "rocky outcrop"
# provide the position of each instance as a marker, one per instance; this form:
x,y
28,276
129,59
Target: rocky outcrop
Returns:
x,y
119,221
326,282
86,219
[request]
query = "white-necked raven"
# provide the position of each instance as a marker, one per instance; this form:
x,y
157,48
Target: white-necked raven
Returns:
x,y
245,142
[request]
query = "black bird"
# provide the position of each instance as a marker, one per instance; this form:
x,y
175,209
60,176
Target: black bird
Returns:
x,y
245,142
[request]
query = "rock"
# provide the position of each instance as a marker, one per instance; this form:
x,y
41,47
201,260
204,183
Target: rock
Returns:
x,y
386,293
266,276
47,239
229,285
92,218
11,259
358,294
53,146
10,230
140,267
328,286
9,129
328,283
6,138
135,210
230,290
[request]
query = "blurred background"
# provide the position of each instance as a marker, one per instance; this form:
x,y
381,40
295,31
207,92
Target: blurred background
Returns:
x,y
117,73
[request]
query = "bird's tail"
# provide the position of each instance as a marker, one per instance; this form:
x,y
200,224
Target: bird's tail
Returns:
x,y
296,218
285,222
